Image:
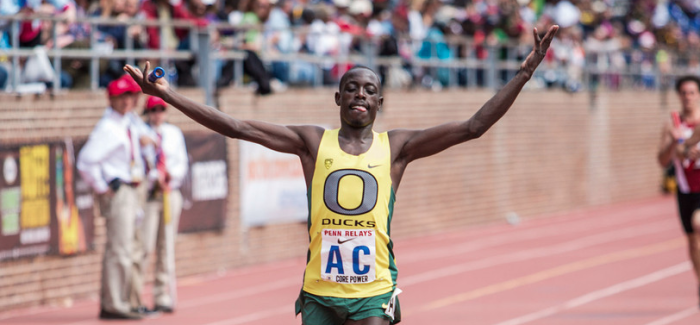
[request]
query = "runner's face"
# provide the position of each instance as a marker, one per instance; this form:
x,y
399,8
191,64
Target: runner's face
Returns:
x,y
359,98
689,95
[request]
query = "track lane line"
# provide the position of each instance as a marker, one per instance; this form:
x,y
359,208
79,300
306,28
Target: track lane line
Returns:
x,y
602,293
250,291
690,311
555,272
460,268
539,252
572,245
594,222
254,316
549,230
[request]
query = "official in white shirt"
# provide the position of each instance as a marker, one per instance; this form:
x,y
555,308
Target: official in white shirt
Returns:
x,y
111,163
163,207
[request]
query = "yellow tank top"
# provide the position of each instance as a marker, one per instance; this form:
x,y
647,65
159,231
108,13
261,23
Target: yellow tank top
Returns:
x,y
351,202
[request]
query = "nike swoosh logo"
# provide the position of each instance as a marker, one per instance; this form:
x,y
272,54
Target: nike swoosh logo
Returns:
x,y
373,166
340,242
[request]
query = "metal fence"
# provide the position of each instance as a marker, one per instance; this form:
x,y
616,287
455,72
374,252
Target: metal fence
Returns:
x,y
468,64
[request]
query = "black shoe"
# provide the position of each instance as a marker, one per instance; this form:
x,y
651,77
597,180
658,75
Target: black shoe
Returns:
x,y
145,312
165,309
110,315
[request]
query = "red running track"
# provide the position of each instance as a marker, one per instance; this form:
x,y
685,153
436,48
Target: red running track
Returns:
x,y
621,264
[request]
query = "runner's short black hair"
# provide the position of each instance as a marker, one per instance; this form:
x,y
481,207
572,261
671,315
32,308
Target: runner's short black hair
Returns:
x,y
343,79
683,79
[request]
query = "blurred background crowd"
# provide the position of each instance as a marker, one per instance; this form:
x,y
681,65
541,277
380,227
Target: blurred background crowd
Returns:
x,y
609,35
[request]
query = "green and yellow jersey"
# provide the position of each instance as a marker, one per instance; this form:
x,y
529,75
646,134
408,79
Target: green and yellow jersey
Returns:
x,y
351,201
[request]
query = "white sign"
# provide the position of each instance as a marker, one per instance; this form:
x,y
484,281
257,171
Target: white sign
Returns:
x,y
9,170
273,189
209,180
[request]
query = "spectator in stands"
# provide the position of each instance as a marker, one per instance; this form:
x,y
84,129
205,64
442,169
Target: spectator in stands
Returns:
x,y
434,46
31,30
324,39
394,45
75,72
302,72
115,36
4,75
279,38
421,19
7,7
568,50
173,38
256,13
641,26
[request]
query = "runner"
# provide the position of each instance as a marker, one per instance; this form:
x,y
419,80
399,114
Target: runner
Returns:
x,y
353,174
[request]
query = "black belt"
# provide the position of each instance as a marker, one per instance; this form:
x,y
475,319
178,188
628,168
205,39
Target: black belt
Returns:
x,y
116,183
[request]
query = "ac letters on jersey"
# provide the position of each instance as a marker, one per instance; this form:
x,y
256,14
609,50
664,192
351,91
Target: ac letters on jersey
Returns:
x,y
348,255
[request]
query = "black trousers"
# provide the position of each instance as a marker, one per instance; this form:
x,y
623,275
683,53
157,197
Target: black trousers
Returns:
x,y
253,67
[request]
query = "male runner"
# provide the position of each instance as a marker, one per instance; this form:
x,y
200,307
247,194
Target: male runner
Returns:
x,y
352,174
678,147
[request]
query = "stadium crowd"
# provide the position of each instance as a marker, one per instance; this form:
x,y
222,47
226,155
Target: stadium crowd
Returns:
x,y
616,33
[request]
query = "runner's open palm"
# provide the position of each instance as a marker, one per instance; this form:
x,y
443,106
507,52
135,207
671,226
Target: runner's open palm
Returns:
x,y
538,51
157,88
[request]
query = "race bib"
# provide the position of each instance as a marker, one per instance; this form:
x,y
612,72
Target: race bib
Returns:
x,y
348,255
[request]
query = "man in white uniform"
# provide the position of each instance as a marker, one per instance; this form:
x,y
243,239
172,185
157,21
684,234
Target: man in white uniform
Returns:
x,y
163,206
111,163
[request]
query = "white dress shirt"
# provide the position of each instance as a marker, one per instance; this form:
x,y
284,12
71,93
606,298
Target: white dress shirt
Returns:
x,y
108,152
176,161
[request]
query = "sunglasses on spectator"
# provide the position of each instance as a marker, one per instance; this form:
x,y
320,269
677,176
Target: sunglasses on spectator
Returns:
x,y
156,109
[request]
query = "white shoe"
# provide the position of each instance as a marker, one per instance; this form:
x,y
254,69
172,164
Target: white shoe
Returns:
x,y
277,86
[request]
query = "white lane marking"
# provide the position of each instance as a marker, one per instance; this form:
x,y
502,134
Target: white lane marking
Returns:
x,y
550,250
600,294
675,317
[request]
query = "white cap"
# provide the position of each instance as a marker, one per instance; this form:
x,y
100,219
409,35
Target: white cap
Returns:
x,y
341,3
360,7
567,14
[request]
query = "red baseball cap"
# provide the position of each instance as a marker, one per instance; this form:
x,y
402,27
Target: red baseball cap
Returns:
x,y
135,88
125,84
153,102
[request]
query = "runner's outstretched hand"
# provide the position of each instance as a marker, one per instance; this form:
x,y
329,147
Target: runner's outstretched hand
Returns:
x,y
538,51
157,88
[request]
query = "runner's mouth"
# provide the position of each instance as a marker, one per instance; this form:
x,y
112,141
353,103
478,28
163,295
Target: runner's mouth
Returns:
x,y
359,108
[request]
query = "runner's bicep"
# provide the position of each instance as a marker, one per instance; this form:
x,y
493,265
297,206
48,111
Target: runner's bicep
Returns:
x,y
415,144
273,136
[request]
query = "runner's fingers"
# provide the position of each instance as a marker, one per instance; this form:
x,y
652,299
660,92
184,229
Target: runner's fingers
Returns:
x,y
145,72
537,37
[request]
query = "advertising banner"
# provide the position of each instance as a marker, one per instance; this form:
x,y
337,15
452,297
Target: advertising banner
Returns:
x,y
44,205
205,188
273,189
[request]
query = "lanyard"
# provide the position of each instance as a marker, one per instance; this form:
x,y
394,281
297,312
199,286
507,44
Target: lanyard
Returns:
x,y
131,144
